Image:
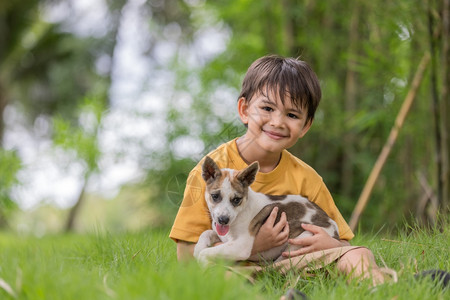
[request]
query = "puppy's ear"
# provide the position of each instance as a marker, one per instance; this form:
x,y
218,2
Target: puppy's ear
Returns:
x,y
210,170
248,175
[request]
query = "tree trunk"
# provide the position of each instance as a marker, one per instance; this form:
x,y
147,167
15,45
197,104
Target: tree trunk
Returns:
x,y
3,221
270,27
435,103
445,102
73,213
288,30
350,104
3,103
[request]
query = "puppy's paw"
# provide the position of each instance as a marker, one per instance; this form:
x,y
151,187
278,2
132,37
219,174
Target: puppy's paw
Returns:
x,y
206,239
203,258
210,235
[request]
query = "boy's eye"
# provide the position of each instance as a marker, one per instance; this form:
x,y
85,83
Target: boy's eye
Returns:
x,y
215,197
267,108
236,201
292,116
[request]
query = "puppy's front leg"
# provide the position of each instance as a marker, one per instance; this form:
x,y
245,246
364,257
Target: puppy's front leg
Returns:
x,y
206,240
232,250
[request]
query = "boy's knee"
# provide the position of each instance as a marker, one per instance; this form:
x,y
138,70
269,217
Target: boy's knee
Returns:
x,y
360,264
357,255
361,252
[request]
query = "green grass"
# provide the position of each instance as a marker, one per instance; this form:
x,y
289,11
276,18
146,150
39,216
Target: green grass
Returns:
x,y
144,266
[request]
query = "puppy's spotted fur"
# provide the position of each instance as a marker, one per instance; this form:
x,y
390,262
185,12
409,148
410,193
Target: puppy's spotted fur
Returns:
x,y
237,214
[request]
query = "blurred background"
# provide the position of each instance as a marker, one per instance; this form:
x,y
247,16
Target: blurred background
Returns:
x,y
106,105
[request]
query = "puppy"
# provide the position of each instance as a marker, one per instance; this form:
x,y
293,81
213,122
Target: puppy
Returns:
x,y
238,212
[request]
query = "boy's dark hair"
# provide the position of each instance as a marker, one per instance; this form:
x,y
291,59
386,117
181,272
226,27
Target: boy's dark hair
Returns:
x,y
285,76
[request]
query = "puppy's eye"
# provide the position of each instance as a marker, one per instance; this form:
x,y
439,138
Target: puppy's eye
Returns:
x,y
236,201
215,197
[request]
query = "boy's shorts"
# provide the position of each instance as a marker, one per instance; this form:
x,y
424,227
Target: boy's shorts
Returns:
x,y
308,262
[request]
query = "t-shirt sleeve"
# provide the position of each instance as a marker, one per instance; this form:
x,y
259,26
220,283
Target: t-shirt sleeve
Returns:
x,y
325,201
193,215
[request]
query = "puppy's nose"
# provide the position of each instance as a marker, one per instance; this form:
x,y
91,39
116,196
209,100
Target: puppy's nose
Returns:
x,y
223,220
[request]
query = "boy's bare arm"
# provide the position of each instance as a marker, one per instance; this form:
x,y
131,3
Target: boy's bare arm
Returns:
x,y
185,250
272,235
345,243
320,240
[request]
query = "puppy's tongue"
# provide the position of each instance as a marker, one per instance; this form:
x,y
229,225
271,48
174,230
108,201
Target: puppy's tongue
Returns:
x,y
222,229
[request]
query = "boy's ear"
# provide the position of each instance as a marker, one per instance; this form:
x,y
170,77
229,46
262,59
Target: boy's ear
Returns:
x,y
306,128
243,110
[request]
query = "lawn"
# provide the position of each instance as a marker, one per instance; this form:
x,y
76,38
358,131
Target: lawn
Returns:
x,y
143,266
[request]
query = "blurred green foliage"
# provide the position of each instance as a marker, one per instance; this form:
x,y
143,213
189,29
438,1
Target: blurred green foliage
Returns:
x,y
43,68
364,53
81,137
10,165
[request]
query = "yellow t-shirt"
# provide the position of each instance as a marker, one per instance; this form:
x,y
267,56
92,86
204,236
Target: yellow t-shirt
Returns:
x,y
291,176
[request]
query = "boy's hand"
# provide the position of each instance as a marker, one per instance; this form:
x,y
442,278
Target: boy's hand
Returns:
x,y
271,235
320,240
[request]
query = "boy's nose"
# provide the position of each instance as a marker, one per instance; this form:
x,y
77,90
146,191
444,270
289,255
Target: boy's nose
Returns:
x,y
276,119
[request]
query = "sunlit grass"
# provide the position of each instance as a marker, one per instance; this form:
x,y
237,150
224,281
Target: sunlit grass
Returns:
x,y
144,266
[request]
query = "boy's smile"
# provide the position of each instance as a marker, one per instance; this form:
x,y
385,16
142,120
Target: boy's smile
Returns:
x,y
272,126
274,135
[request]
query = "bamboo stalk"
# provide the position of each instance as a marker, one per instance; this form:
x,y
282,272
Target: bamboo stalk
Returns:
x,y
367,190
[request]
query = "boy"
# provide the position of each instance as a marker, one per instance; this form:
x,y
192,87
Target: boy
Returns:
x,y
277,103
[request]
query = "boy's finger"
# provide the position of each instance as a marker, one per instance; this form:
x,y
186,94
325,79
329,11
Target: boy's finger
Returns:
x,y
284,233
283,218
303,241
272,217
298,252
286,228
281,239
281,223
312,228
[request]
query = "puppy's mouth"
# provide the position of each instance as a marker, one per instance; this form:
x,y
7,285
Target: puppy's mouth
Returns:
x,y
221,229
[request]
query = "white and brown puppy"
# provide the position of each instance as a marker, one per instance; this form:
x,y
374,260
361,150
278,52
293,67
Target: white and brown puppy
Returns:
x,y
238,212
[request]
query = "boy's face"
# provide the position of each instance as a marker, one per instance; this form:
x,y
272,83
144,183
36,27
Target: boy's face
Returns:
x,y
272,125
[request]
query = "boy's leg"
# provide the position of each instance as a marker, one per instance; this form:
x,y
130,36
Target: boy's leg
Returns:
x,y
360,263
